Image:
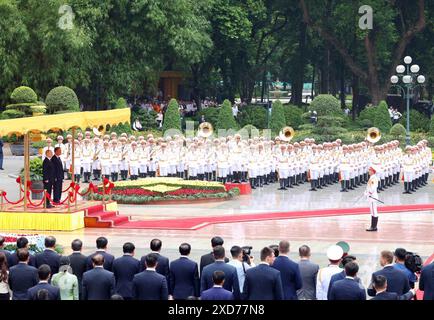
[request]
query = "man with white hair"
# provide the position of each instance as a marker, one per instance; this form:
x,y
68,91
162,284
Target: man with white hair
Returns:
x,y
334,254
48,147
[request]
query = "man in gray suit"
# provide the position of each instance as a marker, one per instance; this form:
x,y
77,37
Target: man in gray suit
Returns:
x,y
308,272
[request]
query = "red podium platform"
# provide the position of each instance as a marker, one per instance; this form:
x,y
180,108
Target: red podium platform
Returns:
x,y
244,187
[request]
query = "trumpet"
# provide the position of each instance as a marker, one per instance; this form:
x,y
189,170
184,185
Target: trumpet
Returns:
x,y
287,134
373,135
95,156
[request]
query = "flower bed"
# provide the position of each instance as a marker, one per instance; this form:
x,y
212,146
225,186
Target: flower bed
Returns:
x,y
163,189
36,242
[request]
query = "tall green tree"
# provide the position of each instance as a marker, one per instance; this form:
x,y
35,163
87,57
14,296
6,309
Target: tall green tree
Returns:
x,y
225,119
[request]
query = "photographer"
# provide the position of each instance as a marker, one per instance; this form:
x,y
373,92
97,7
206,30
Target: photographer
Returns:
x,y
242,261
400,257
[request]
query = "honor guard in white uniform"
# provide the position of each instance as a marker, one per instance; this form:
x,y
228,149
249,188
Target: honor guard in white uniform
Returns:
x,y
105,159
143,159
63,149
86,160
133,161
68,159
223,163
173,158
252,166
163,160
116,157
78,157
314,168
123,163
152,162
282,166
408,170
48,147
96,162
344,169
372,196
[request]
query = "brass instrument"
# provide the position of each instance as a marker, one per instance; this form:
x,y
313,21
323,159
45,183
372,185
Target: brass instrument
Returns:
x,y
287,134
98,131
95,156
205,130
373,135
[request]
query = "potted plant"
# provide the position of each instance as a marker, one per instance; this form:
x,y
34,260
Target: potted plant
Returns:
x,y
36,178
38,110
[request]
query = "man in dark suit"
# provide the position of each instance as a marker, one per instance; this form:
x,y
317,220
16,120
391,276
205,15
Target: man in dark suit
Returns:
x,y
1,154
22,243
124,269
5,252
380,285
263,282
44,273
289,272
342,275
217,292
58,175
48,175
348,288
231,277
49,256
208,258
78,261
184,275
397,281
22,276
163,262
101,248
308,272
426,282
98,283
150,285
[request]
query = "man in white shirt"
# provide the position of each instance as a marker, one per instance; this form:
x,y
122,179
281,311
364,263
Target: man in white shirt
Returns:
x,y
240,265
334,254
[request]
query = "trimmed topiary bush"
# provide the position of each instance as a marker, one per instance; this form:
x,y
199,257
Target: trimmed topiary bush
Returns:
x,y
121,103
418,121
277,121
211,115
146,118
254,115
293,116
62,99
12,114
326,104
225,119
431,130
24,94
368,113
382,117
398,131
172,119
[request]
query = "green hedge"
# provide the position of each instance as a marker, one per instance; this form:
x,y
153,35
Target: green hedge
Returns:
x,y
254,115
418,121
24,94
12,114
326,104
146,118
398,131
293,116
62,99
277,121
225,119
382,117
431,130
172,119
211,115
121,103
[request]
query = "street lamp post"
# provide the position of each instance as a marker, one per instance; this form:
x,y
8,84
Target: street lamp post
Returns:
x,y
268,98
410,80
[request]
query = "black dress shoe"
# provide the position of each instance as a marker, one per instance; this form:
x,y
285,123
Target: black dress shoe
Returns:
x,y
49,206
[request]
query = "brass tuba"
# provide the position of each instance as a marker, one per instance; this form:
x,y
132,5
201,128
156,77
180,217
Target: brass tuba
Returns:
x,y
287,134
205,130
98,132
373,135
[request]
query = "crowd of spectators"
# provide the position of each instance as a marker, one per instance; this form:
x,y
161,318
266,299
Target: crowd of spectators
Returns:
x,y
101,276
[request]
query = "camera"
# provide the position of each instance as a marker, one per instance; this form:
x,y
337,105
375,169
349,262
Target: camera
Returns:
x,y
247,250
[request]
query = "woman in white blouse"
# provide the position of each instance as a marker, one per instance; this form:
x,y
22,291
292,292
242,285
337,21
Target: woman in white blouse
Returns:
x,y
4,274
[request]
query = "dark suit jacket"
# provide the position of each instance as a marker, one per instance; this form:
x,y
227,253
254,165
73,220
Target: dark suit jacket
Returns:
x,y
14,260
347,289
1,147
337,277
124,269
78,263
217,293
98,284
231,278
263,283
108,260
58,168
426,282
162,266
48,170
21,278
207,259
53,292
184,278
49,257
290,275
397,281
8,256
150,285
392,296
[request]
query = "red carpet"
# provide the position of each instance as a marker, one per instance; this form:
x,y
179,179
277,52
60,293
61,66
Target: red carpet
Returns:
x,y
196,223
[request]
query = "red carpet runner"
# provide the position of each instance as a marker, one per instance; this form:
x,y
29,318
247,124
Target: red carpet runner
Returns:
x,y
185,223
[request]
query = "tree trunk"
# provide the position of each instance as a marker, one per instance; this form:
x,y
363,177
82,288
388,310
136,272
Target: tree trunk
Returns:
x,y
355,89
298,79
342,87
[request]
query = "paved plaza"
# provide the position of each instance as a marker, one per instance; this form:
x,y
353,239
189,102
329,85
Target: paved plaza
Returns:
x,y
411,230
